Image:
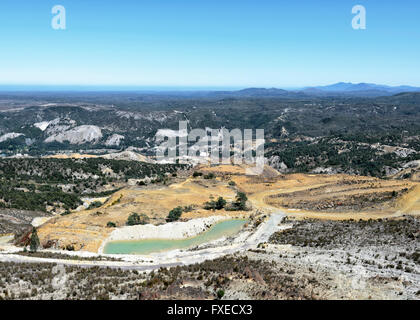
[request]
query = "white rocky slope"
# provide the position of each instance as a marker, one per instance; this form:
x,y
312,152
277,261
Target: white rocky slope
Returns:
x,y
114,140
77,135
43,125
127,155
10,135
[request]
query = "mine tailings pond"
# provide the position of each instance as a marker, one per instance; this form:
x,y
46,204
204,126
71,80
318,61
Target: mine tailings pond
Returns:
x,y
218,230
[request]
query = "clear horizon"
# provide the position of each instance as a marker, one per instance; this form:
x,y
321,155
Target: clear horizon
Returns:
x,y
121,88
203,44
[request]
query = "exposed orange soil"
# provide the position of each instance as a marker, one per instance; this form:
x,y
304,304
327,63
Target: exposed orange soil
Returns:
x,y
73,156
87,229
269,192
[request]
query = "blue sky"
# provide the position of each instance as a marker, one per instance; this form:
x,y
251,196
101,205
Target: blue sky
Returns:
x,y
203,43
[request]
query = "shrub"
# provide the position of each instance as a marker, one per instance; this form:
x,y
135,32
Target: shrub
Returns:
x,y
210,205
209,176
34,244
111,224
144,219
197,174
188,208
174,214
240,201
215,205
135,219
220,203
94,204
220,293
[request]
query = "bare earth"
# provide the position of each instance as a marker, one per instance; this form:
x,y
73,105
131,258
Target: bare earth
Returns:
x,y
344,237
333,197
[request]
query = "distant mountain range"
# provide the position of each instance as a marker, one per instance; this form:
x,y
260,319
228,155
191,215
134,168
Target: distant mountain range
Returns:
x,y
348,87
337,89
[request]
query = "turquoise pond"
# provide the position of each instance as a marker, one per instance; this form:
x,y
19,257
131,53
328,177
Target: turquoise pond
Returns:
x,y
147,246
